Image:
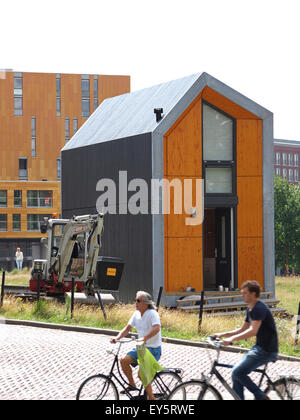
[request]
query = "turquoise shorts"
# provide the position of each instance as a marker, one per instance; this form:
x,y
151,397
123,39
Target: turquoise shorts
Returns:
x,y
156,351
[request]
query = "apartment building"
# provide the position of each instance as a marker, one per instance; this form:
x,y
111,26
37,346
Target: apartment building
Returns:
x,y
39,113
287,159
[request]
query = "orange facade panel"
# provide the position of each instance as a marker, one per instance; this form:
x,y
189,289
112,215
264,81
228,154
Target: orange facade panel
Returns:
x,y
183,159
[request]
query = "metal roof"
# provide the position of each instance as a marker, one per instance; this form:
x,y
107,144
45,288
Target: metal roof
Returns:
x,y
132,114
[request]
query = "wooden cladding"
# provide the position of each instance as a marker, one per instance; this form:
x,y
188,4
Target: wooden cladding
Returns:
x,y
39,101
183,159
24,209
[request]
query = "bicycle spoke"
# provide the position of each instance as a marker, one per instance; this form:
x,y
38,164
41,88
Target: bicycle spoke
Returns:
x,y
285,388
97,387
194,390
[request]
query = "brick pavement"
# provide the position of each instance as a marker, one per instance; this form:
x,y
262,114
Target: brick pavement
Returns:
x,y
47,364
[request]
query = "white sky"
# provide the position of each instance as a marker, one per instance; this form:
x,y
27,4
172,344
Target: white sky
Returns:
x,y
252,46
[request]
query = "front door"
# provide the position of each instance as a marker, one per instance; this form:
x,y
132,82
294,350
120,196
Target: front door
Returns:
x,y
223,247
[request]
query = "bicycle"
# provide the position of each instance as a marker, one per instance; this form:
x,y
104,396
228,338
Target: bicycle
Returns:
x,y
103,387
285,388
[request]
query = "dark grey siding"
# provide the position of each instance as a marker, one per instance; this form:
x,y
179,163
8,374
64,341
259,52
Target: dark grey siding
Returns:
x,y
125,236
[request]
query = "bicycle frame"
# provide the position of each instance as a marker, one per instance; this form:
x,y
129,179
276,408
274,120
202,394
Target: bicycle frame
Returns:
x,y
215,372
123,383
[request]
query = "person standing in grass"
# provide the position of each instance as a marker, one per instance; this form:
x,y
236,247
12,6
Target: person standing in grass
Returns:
x,y
259,323
19,258
147,322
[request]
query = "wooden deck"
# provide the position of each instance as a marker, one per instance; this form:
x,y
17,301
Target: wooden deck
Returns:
x,y
224,303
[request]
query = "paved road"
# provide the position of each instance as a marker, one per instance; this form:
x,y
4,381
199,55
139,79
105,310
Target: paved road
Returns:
x,y
47,364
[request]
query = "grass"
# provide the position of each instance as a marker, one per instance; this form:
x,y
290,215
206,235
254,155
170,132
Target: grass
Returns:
x,y
175,323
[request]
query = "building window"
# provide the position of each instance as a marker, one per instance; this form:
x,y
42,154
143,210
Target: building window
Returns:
x,y
23,174
296,175
34,222
284,161
95,92
75,125
67,129
3,198
33,137
284,173
290,159
296,159
18,94
17,198
3,222
291,175
58,168
85,95
58,95
37,198
277,158
218,151
278,172
16,219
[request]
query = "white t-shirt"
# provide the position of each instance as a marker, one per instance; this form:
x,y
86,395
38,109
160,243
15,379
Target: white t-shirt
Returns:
x,y
144,325
19,255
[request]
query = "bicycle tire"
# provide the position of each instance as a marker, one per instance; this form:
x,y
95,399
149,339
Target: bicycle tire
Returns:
x,y
289,389
164,382
97,387
191,390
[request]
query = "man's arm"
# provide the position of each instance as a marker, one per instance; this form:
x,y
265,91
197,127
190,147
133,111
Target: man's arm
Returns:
x,y
248,333
240,330
121,334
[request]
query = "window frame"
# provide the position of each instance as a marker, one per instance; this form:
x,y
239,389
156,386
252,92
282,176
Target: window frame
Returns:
x,y
220,163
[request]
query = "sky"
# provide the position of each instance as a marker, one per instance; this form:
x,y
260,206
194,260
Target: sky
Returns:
x,y
252,46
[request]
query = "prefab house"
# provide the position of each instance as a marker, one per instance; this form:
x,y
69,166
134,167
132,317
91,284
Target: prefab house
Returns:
x,y
181,132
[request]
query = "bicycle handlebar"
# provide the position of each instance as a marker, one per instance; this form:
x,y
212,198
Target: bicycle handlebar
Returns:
x,y
215,342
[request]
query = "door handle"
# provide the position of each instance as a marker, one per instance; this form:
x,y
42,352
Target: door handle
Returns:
x,y
216,252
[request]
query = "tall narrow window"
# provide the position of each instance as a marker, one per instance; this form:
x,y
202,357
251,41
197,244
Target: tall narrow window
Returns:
x,y
67,129
296,178
58,95
3,198
296,159
16,219
95,92
33,137
85,95
18,94
3,222
75,125
291,175
218,151
58,168
17,198
23,174
284,160
277,158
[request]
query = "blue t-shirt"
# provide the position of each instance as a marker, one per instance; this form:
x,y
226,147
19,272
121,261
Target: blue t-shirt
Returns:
x,y
267,334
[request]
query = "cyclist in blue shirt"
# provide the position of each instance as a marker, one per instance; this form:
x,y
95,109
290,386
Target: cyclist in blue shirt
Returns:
x,y
259,322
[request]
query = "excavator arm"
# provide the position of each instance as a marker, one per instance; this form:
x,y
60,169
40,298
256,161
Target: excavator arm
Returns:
x,y
91,226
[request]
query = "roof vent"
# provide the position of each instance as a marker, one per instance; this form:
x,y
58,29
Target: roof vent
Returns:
x,y
159,113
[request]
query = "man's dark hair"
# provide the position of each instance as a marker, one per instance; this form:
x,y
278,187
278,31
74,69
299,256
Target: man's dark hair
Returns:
x,y
252,286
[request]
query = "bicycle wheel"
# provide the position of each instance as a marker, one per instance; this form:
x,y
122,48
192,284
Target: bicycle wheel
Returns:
x,y
288,388
192,390
164,382
97,387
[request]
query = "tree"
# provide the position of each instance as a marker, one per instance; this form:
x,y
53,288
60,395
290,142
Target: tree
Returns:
x,y
287,224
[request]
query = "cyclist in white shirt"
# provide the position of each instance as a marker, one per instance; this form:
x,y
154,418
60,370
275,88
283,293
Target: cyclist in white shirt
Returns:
x,y
147,322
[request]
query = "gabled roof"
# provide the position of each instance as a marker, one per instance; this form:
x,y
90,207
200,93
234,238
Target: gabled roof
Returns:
x,y
133,113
